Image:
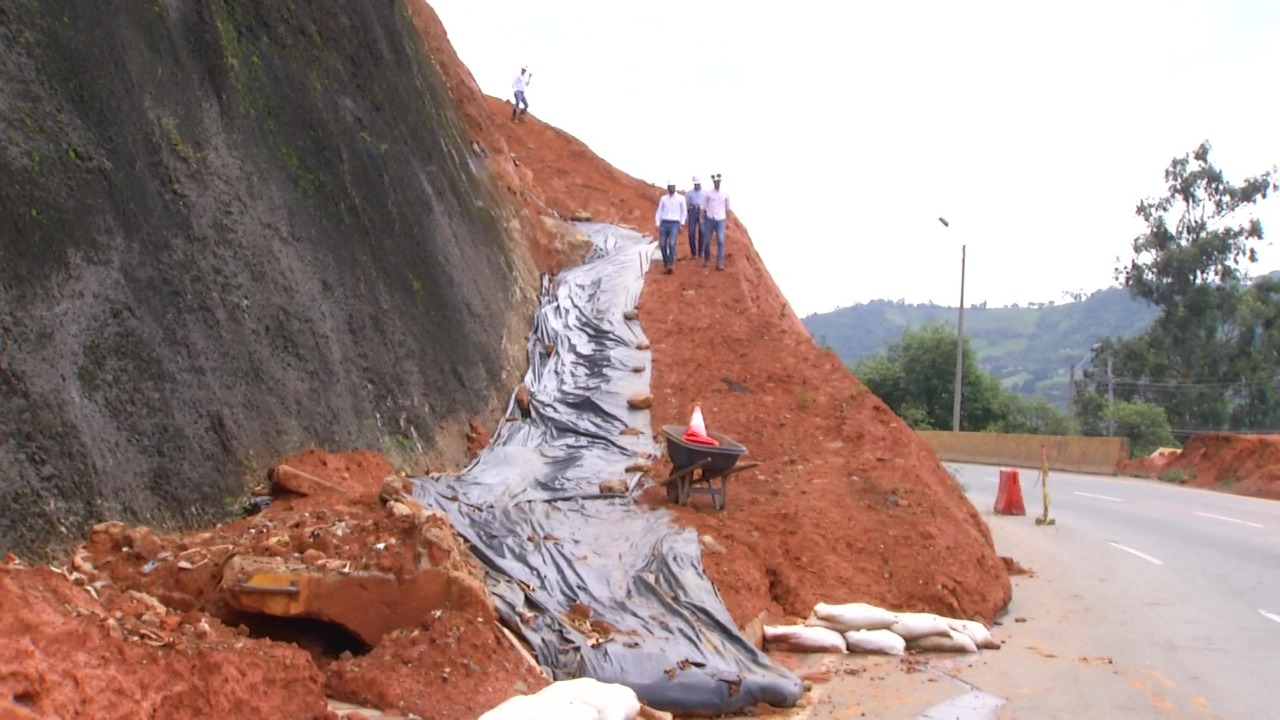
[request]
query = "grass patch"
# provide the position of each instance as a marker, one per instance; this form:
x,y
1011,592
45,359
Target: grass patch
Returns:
x,y
1179,477
1227,479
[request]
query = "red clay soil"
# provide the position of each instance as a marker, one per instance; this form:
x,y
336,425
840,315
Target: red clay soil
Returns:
x,y
1240,464
161,607
1148,466
849,504
454,667
76,651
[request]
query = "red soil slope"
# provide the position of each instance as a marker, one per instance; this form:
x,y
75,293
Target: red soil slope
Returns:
x,y
140,627
1241,464
849,504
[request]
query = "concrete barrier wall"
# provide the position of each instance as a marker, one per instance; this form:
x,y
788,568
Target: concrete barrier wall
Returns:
x,y
1066,452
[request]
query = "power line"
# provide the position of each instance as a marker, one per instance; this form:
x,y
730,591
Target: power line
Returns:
x,y
1138,382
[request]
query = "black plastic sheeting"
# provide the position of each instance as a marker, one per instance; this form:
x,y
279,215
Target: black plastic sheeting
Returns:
x,y
531,508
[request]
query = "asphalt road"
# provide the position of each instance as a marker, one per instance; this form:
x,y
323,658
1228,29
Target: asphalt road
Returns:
x,y
1181,585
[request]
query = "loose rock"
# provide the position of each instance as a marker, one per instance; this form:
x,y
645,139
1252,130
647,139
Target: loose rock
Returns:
x,y
613,487
641,402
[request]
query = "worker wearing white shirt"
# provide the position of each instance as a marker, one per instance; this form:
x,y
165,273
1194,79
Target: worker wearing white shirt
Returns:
x,y
519,84
715,216
693,199
668,219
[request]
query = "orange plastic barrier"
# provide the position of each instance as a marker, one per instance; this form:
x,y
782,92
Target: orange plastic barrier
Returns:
x,y
1009,496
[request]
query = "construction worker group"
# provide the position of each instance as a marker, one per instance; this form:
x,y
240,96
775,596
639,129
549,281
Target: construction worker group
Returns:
x,y
705,212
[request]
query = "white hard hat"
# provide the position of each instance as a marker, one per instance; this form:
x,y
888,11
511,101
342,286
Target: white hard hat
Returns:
x,y
697,180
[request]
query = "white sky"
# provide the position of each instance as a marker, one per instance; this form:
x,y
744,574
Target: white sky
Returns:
x,y
845,129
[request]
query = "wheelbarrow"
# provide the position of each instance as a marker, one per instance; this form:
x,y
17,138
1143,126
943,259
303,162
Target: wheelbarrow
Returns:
x,y
695,468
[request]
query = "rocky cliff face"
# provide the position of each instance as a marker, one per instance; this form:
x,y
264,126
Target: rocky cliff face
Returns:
x,y
229,229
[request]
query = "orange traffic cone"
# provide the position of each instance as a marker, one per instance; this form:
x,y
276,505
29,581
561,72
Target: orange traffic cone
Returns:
x,y
1009,494
697,431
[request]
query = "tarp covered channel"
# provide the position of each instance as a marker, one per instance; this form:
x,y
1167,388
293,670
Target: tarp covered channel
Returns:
x,y
552,544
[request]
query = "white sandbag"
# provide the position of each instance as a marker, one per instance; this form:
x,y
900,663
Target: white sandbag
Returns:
x,y
814,621
854,616
952,642
533,707
610,700
883,642
912,626
803,638
976,631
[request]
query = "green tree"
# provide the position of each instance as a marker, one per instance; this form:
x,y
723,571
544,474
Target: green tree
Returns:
x,y
1209,359
1035,416
1144,424
916,374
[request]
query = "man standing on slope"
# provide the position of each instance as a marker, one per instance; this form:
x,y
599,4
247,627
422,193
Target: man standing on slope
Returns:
x,y
693,199
668,219
715,214
521,82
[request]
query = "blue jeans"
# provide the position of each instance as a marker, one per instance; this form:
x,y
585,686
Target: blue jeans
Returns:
x,y
695,233
713,227
668,231
519,102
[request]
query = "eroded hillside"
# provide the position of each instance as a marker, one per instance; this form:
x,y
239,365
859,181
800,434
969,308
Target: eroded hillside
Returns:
x,y
849,503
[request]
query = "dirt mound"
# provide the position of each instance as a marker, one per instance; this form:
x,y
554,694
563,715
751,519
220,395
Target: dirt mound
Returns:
x,y
1148,466
363,593
80,649
454,666
1240,464
849,504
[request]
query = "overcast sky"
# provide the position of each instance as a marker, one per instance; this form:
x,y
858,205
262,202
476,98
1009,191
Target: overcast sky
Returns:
x,y
845,129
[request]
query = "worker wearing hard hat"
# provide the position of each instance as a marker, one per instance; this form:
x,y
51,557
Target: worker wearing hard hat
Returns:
x,y
715,216
693,199
668,219
521,105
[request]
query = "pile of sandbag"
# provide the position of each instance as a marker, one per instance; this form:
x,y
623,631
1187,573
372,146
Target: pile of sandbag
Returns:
x,y
863,628
579,699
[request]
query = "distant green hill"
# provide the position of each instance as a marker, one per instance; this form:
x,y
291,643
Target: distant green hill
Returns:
x,y
1029,349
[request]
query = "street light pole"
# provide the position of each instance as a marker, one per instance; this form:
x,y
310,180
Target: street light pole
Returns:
x,y
958,387
1111,398
959,384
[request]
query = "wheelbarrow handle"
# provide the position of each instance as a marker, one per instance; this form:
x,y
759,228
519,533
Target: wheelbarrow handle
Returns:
x,y
683,471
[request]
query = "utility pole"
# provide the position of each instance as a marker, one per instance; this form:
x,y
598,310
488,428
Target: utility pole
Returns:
x,y
1111,398
1071,389
959,384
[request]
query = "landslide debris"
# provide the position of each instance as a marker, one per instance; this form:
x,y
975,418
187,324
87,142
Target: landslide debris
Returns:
x,y
1240,464
351,590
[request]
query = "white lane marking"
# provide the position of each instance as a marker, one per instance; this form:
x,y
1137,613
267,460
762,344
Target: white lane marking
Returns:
x,y
1139,553
1100,497
1219,517
1270,616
